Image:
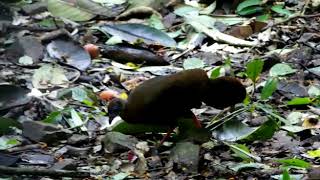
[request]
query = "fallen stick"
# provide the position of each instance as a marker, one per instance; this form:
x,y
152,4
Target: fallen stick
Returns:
x,y
5,170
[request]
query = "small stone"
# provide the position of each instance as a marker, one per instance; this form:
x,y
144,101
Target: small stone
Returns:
x,y
78,139
186,156
116,141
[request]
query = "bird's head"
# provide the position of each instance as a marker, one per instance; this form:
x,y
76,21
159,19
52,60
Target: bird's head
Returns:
x,y
223,92
115,108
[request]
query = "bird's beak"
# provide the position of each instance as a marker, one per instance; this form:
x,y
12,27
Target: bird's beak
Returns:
x,y
111,117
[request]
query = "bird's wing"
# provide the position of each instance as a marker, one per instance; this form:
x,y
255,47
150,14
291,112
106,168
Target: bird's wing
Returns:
x,y
167,95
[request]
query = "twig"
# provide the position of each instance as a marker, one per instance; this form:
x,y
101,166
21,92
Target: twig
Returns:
x,y
259,106
43,172
183,53
307,69
30,28
294,16
47,37
221,37
263,173
25,148
310,15
226,118
305,7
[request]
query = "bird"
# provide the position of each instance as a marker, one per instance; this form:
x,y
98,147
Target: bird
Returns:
x,y
164,99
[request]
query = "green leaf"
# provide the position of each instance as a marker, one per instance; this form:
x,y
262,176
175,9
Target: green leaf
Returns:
x,y
193,63
156,22
79,94
8,142
53,117
281,69
254,69
13,142
314,153
264,17
263,132
88,102
279,9
269,88
76,121
215,73
285,175
47,23
248,3
247,100
294,162
68,10
250,10
243,152
300,101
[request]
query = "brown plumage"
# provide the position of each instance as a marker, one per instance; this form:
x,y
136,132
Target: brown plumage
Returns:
x,y
162,100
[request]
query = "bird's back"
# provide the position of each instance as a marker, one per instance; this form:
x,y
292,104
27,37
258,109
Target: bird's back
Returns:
x,y
163,99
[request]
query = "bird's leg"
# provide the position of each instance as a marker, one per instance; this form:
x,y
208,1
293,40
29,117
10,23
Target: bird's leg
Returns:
x,y
196,121
131,156
167,135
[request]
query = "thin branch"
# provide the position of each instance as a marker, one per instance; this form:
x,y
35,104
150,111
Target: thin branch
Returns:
x,y
42,172
294,16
